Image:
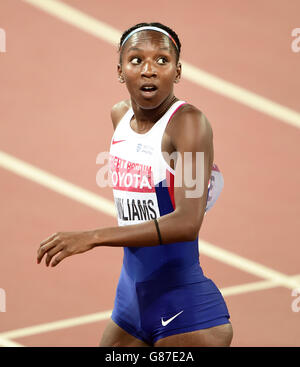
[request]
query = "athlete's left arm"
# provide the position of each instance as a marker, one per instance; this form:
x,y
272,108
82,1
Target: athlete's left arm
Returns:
x,y
190,133
192,138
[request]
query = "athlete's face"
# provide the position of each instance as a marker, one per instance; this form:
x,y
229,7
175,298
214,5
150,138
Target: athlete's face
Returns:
x,y
149,68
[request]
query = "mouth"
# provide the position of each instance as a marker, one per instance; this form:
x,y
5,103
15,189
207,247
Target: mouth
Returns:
x,y
148,89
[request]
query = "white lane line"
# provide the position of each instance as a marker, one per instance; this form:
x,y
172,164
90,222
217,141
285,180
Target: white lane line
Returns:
x,y
56,184
248,287
246,265
100,316
253,287
8,343
78,19
241,95
94,201
56,325
111,35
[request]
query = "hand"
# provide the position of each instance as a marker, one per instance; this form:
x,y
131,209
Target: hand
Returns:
x,y
65,243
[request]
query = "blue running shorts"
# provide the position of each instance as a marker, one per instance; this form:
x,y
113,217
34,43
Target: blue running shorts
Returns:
x,y
154,309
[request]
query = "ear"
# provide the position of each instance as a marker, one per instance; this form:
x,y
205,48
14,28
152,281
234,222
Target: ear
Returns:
x,y
120,75
178,73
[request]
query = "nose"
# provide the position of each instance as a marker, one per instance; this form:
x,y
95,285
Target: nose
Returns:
x,y
148,69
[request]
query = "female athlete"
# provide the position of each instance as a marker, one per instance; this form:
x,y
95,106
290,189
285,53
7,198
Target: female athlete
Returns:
x,y
163,298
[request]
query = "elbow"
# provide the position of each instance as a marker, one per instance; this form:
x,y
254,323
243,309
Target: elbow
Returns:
x,y
186,228
192,227
190,232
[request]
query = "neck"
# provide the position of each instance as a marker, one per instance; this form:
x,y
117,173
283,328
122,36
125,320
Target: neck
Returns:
x,y
145,116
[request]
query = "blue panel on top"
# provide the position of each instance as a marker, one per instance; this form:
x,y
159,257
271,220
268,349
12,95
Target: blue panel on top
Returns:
x,y
163,198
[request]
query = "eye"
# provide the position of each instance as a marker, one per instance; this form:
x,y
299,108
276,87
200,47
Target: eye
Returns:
x,y
162,60
135,60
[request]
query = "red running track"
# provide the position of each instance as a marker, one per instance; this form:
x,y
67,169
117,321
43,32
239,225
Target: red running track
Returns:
x,y
58,84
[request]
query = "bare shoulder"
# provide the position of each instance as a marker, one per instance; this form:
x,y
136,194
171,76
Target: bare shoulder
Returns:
x,y
190,115
190,123
118,111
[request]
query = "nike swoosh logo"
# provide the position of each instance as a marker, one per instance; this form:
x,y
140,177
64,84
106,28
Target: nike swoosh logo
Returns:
x,y
117,141
165,323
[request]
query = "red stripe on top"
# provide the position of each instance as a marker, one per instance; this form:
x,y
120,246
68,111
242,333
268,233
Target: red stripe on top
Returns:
x,y
215,168
176,111
170,184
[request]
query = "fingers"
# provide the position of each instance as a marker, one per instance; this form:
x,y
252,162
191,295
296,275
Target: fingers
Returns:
x,y
59,258
52,253
44,249
48,239
65,243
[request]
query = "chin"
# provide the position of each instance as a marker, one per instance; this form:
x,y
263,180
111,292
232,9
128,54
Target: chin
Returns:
x,y
149,103
149,106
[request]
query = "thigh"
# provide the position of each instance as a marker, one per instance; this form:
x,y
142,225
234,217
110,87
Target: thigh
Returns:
x,y
217,336
114,336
